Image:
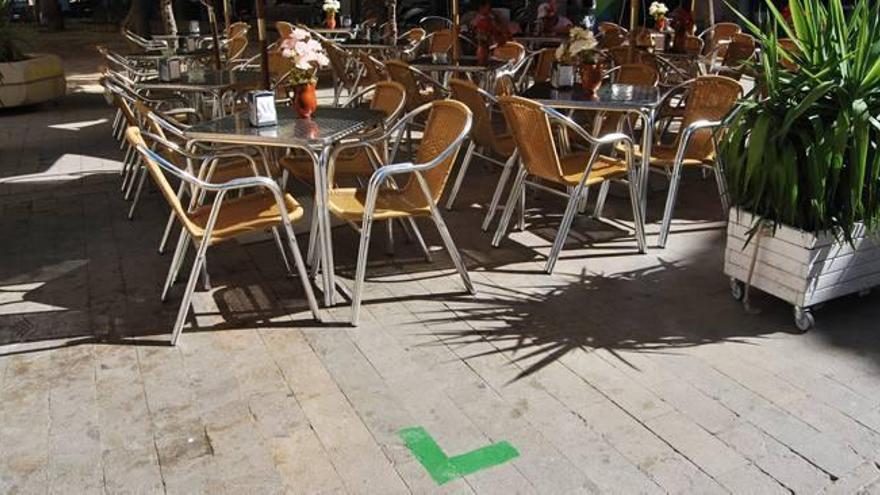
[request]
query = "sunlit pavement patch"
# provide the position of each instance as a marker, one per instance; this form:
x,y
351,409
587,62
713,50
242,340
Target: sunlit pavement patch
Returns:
x,y
443,468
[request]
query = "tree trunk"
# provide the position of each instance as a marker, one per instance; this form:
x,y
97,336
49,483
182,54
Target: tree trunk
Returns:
x,y
50,15
136,19
168,20
391,11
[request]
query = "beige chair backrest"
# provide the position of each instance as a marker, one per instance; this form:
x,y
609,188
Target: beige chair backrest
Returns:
x,y
533,135
693,45
134,137
446,121
468,93
236,30
284,28
612,39
791,47
637,75
504,85
740,49
709,98
510,51
389,97
719,33
414,35
544,65
235,48
374,72
339,62
441,41
400,72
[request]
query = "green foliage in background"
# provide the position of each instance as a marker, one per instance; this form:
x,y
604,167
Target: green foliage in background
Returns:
x,y
9,51
803,150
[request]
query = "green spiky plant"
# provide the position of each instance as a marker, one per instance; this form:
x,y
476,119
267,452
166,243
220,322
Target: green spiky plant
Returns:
x,y
803,150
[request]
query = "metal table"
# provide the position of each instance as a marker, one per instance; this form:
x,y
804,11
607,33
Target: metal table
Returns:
x,y
211,82
536,41
465,64
179,53
645,102
316,136
335,32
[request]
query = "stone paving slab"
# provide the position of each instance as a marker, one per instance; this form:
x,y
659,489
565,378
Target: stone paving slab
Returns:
x,y
620,373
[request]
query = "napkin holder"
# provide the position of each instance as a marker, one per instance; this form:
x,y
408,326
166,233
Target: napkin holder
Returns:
x,y
562,76
169,69
195,27
261,108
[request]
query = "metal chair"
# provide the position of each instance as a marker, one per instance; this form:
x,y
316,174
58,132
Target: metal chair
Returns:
x,y
485,138
345,70
448,124
715,37
710,99
530,123
144,43
434,23
420,87
510,51
222,220
739,51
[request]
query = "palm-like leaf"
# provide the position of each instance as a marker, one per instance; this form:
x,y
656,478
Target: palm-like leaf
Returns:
x,y
805,151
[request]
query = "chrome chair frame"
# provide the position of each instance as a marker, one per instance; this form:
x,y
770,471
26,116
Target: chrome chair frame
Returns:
x,y
675,174
380,178
470,152
146,44
575,195
202,247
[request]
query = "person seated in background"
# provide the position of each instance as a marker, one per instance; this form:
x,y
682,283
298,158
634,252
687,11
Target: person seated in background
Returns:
x,y
550,21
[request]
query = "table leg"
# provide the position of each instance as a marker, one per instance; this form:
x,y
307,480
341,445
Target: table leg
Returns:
x,y
322,189
648,118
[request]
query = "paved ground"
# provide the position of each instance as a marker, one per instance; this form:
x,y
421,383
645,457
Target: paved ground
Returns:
x,y
620,373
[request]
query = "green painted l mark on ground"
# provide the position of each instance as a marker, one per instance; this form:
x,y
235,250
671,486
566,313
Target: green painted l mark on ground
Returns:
x,y
443,468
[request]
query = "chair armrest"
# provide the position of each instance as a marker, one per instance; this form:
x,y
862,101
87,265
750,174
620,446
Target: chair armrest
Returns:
x,y
580,131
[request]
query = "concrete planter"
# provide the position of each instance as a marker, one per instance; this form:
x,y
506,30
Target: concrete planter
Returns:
x,y
36,79
801,268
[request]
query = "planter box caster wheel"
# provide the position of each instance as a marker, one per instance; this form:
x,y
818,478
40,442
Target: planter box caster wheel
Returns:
x,y
803,319
737,289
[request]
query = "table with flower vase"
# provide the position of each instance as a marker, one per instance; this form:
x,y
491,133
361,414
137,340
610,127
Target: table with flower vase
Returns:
x,y
316,136
645,102
198,83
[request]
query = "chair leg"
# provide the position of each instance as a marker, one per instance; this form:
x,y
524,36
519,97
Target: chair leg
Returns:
x,y
418,235
301,271
389,244
360,271
452,249
600,201
564,228
670,205
499,190
280,245
165,235
137,194
468,156
638,218
722,187
188,292
132,179
312,254
509,206
176,262
521,220
585,198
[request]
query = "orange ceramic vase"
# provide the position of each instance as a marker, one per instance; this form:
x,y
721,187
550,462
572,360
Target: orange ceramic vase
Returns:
x,y
591,77
330,21
305,100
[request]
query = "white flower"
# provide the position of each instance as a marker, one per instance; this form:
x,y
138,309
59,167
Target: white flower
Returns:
x,y
331,5
658,9
300,34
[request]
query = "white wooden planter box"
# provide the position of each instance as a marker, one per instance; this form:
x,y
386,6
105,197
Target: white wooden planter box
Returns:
x,y
36,79
799,267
